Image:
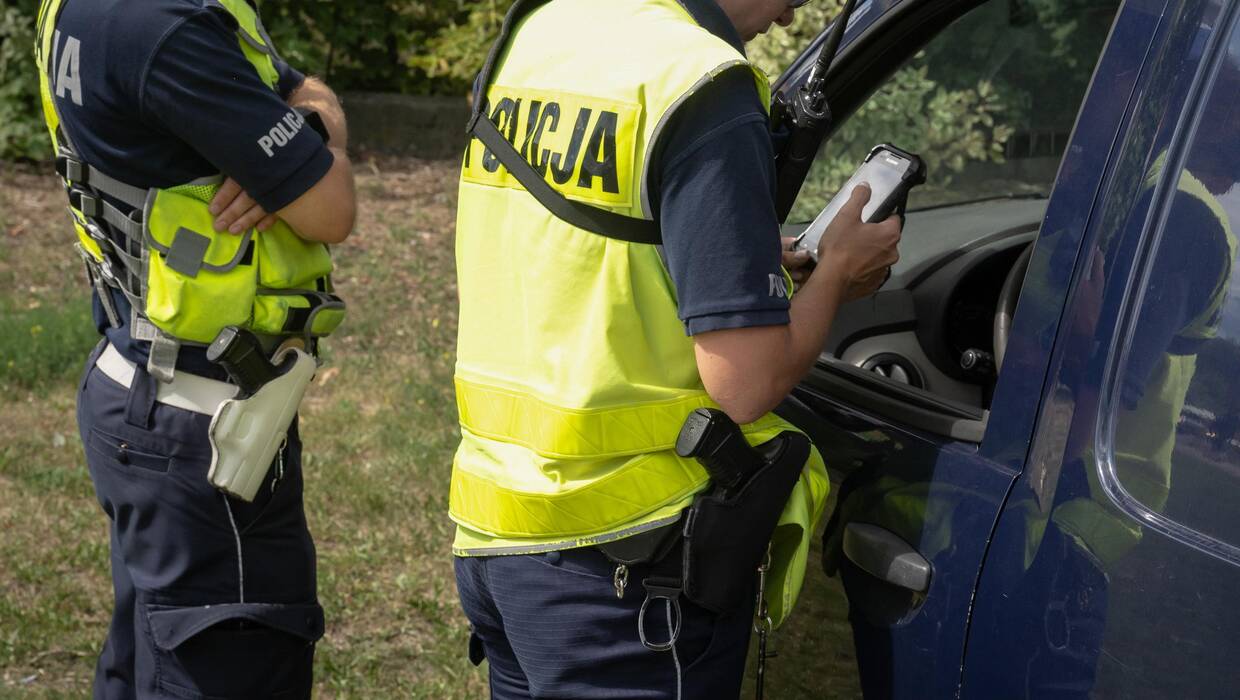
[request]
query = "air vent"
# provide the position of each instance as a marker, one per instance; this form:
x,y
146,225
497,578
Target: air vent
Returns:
x,y
896,368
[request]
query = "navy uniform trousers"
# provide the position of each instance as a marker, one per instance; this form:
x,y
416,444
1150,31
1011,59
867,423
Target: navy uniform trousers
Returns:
x,y
550,626
215,597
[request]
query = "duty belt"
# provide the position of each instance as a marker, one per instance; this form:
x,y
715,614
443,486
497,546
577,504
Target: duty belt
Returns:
x,y
186,391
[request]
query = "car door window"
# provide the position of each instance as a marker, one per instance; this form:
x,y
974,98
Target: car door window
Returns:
x,y
988,104
1174,443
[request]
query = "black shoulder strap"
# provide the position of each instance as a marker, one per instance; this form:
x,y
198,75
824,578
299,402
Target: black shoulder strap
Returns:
x,y
583,216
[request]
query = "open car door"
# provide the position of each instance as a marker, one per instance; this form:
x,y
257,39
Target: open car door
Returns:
x,y
922,450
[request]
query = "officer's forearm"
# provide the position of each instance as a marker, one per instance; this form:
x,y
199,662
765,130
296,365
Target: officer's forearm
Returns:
x,y
748,371
326,212
813,309
315,95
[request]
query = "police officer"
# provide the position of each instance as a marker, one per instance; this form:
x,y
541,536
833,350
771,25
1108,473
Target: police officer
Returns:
x,y
620,266
203,189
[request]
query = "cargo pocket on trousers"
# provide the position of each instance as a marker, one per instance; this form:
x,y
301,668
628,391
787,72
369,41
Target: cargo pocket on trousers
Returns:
x,y
232,651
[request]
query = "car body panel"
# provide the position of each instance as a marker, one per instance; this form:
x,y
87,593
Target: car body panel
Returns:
x,y
1149,615
945,497
941,496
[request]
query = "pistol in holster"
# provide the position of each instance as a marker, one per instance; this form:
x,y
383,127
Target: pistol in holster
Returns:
x,y
246,432
729,526
723,536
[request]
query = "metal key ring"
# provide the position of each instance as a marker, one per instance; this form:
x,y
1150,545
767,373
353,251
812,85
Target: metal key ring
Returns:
x,y
674,602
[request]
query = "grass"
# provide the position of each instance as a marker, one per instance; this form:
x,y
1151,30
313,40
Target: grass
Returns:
x,y
40,345
379,427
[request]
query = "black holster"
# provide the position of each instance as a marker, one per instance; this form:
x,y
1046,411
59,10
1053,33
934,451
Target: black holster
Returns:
x,y
723,536
726,534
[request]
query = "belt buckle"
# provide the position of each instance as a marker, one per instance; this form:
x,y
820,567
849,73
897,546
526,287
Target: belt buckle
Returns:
x,y
95,231
106,271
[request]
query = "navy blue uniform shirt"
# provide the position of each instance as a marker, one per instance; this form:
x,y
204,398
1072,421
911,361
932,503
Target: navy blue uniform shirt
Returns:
x,y
157,93
713,193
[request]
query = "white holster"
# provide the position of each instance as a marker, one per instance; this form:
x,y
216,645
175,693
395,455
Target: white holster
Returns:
x,y
246,433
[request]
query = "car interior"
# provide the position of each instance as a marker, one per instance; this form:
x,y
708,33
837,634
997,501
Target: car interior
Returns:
x,y
987,94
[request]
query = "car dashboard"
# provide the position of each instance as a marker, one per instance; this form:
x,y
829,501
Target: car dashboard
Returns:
x,y
940,301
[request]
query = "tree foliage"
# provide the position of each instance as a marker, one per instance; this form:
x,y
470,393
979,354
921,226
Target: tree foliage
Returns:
x,y
437,46
408,46
22,134
948,125
774,50
457,52
1004,69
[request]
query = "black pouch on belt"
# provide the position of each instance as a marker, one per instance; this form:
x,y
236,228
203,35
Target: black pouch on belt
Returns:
x,y
649,547
728,527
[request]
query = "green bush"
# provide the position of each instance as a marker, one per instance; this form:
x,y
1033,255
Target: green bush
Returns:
x,y
391,45
949,126
773,51
457,52
22,133
416,47
409,46
437,46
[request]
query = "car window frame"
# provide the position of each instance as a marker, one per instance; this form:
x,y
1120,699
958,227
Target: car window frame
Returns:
x,y
860,58
1128,319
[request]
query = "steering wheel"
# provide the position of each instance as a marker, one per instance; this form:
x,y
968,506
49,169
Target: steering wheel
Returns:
x,y
1005,307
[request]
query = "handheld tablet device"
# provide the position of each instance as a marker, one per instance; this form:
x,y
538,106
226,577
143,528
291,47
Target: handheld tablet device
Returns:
x,y
890,173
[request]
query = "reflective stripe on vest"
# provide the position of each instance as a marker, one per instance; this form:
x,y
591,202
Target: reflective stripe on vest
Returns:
x,y
574,373
646,483
556,431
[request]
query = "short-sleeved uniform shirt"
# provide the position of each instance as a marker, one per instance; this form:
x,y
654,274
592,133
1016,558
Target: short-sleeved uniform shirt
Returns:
x,y
157,93
713,193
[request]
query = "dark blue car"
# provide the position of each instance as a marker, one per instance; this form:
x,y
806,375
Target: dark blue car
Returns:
x,y
1033,429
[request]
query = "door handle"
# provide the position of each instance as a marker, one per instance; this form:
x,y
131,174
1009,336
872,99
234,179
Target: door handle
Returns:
x,y
884,555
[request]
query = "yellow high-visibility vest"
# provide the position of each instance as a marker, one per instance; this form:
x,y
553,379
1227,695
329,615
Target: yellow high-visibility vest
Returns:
x,y
574,373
